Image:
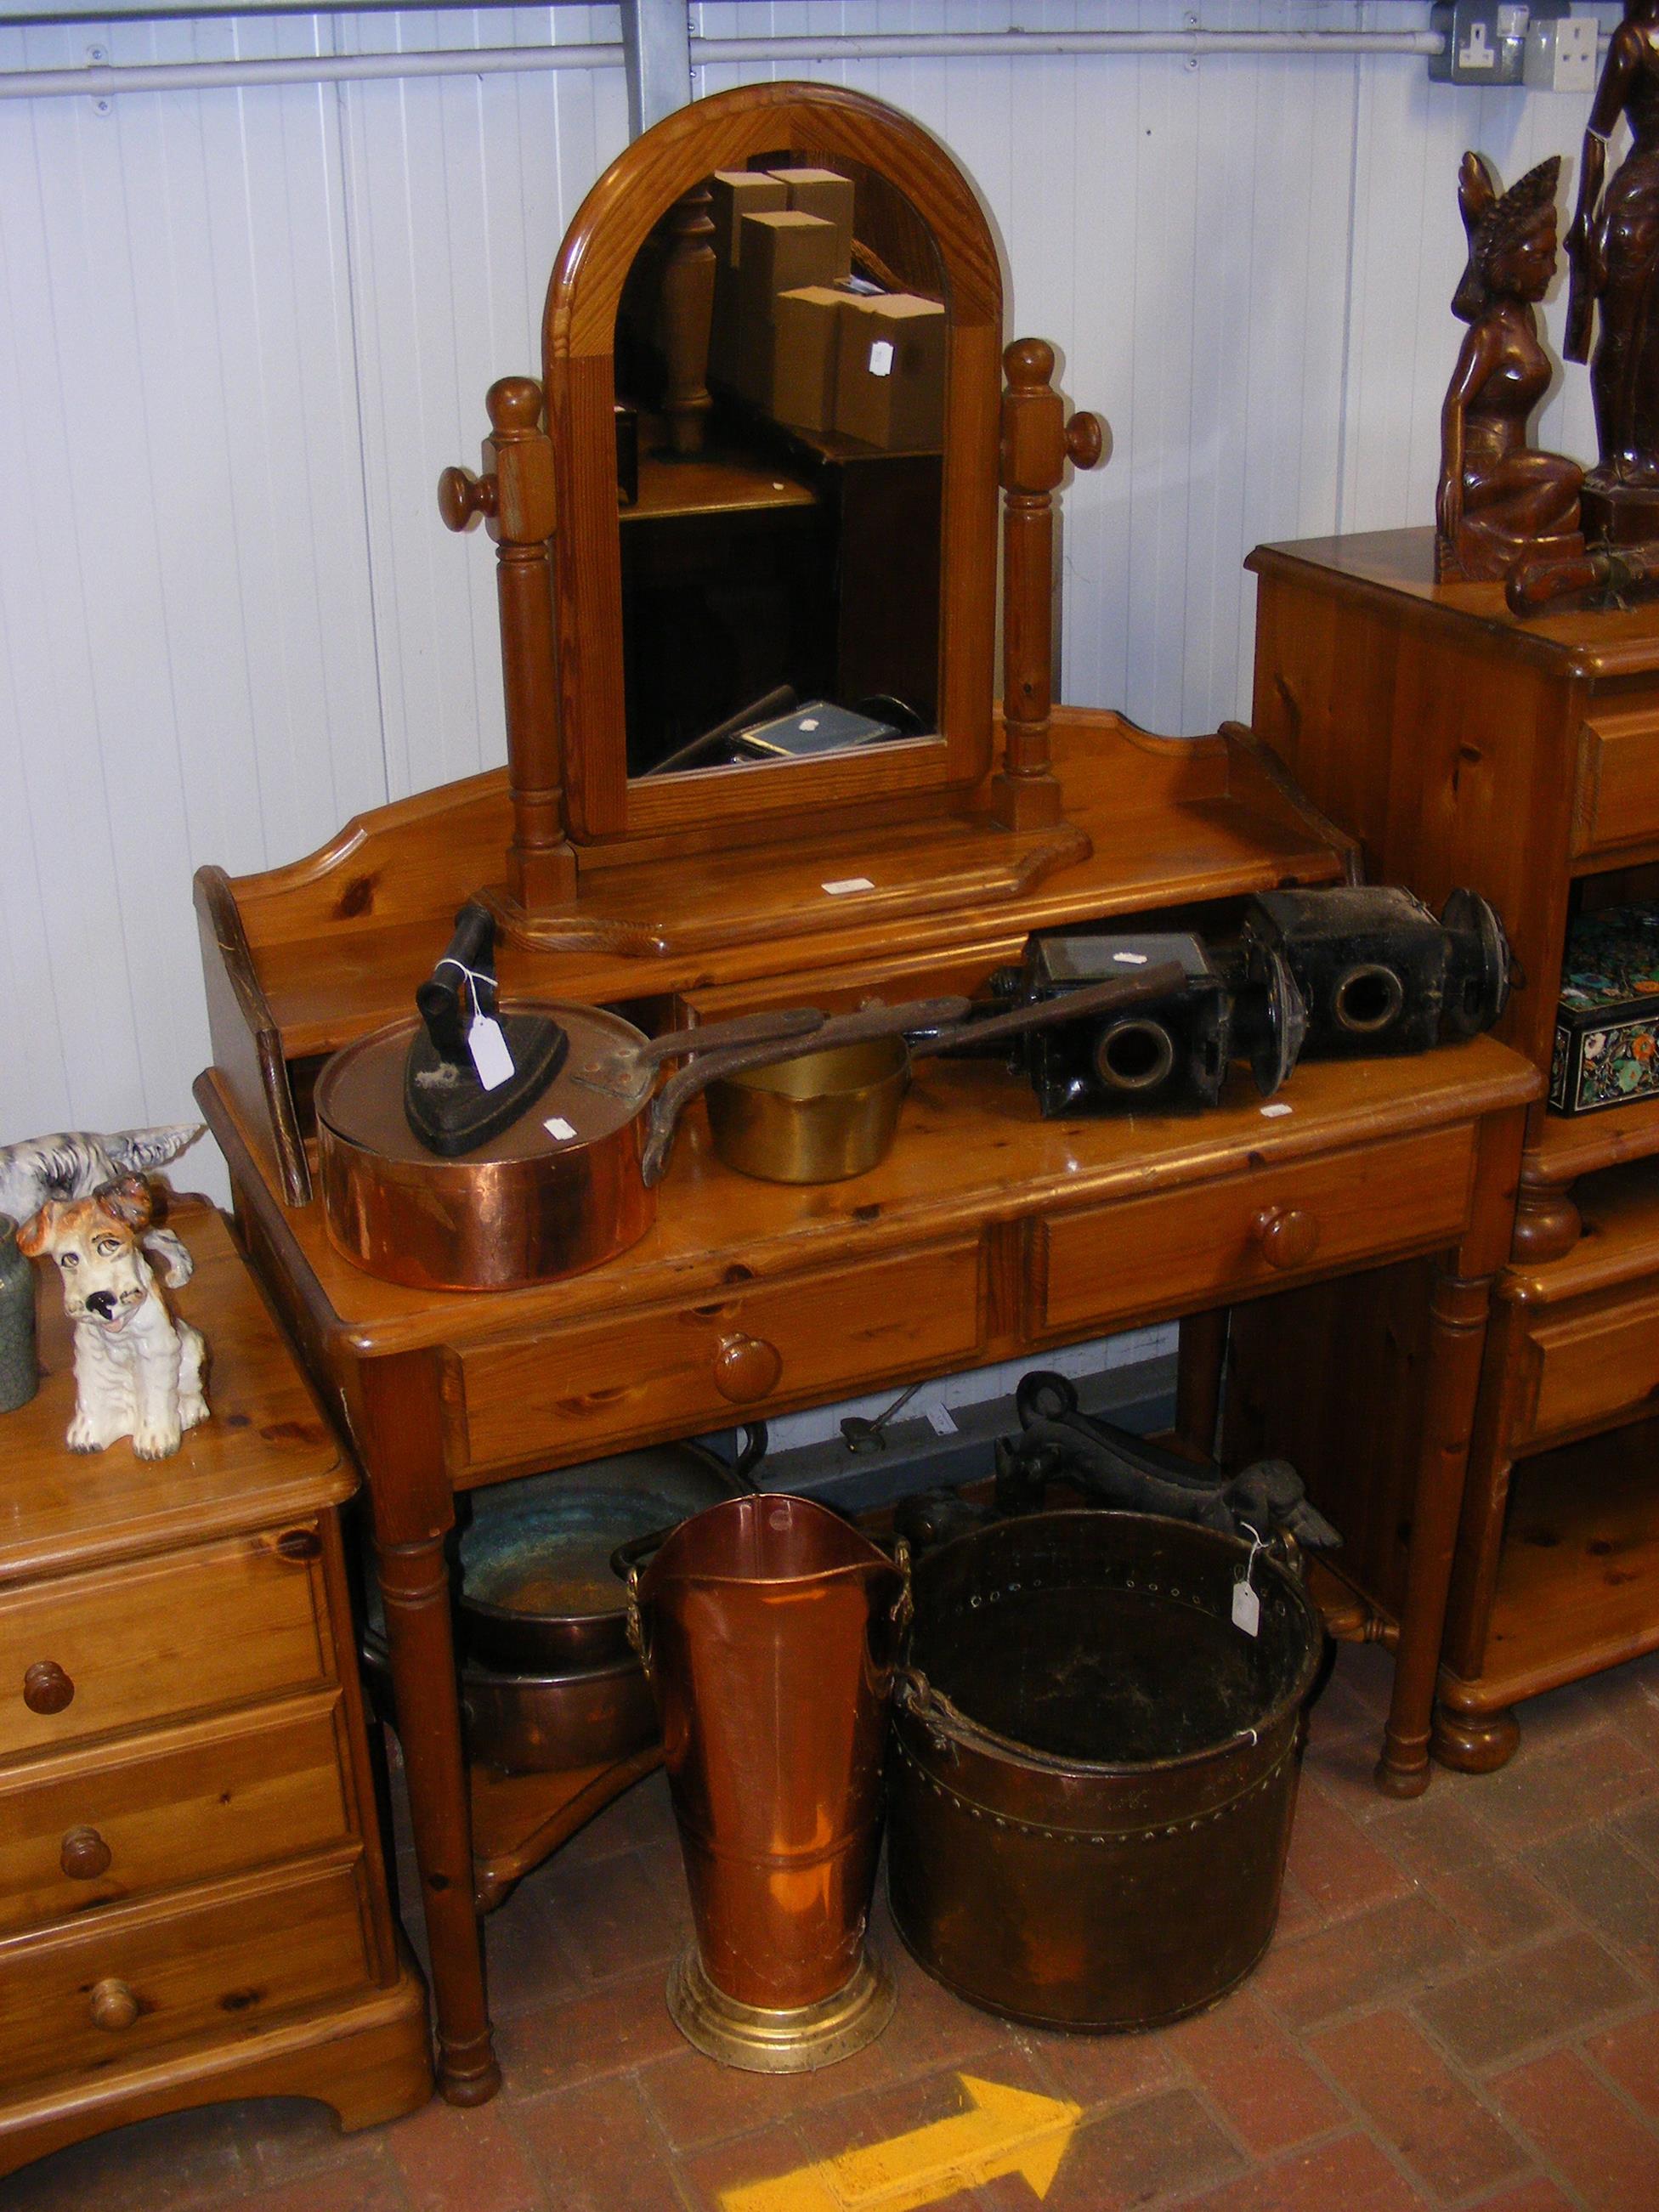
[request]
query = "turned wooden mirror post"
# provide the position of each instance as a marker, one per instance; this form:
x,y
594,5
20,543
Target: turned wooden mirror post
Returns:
x,y
514,495
1037,441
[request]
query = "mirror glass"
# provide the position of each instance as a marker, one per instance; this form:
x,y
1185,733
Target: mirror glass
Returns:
x,y
781,359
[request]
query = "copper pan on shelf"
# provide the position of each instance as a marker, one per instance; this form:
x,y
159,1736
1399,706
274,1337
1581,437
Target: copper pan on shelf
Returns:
x,y
567,1185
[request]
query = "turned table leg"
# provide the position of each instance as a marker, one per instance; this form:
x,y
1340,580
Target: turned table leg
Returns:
x,y
413,1512
1457,1330
1456,1341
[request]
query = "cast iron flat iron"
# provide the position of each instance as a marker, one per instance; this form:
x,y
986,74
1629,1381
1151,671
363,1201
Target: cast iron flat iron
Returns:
x,y
447,1104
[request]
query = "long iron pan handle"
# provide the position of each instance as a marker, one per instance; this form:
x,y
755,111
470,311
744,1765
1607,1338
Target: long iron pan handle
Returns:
x,y
1154,983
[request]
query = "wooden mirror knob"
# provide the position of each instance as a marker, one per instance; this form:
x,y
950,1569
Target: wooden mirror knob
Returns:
x,y
47,1688
112,2006
1287,1234
84,1855
1085,440
746,1367
463,497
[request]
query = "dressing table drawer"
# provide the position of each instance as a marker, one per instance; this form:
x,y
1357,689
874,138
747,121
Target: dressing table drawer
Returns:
x,y
566,1397
90,1828
1280,1224
136,1645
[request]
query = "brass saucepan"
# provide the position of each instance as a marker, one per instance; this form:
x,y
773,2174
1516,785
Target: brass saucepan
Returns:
x,y
828,1113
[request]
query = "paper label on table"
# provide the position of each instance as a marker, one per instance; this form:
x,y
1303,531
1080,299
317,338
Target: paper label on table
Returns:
x,y
940,1420
490,1054
808,722
1130,959
881,357
840,888
1246,1607
1271,1113
557,1125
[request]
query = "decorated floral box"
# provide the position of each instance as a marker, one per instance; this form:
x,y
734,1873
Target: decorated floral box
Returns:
x,y
1606,1027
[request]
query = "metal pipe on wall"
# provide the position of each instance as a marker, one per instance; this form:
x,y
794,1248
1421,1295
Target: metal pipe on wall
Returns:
x,y
104,82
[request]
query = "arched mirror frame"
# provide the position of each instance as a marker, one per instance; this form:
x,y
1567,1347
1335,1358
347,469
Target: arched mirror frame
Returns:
x,y
819,121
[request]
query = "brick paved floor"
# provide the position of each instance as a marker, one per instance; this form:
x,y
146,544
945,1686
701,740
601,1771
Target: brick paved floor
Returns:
x,y
1461,2009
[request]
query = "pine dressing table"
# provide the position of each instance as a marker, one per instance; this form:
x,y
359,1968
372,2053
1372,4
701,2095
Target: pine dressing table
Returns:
x,y
986,1232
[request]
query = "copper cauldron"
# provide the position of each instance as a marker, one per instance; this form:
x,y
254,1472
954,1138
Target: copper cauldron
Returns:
x,y
768,1628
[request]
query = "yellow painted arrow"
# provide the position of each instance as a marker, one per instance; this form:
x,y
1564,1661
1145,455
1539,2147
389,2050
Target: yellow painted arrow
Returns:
x,y
1006,2131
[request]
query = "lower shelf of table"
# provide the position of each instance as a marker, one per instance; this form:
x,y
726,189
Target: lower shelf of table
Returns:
x,y
520,1819
1578,1581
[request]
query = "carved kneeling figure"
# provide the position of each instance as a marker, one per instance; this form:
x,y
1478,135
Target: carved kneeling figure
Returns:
x,y
137,1371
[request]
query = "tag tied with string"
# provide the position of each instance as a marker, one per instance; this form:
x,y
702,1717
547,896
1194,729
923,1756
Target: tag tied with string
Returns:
x,y
490,1055
1246,1605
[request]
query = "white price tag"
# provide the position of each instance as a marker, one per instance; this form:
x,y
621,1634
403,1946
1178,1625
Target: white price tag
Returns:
x,y
490,1054
939,1419
881,357
807,722
1130,959
557,1125
845,884
1247,1607
1271,1113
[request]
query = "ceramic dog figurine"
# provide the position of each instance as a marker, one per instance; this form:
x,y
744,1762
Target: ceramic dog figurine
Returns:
x,y
137,1371
75,1163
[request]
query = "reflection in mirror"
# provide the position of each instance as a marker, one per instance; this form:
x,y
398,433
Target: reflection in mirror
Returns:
x,y
781,356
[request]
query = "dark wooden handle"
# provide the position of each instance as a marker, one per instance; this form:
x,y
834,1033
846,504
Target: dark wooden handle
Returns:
x,y
746,1367
463,497
1085,440
298,1544
47,1688
113,2005
84,1855
1287,1234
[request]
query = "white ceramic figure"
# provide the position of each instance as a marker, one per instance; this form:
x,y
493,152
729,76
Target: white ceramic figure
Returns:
x,y
74,1163
138,1370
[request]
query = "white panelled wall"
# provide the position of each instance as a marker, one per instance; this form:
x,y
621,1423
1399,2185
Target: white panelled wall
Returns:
x,y
241,331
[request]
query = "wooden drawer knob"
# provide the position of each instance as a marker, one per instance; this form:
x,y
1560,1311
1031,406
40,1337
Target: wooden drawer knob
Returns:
x,y
462,497
1288,1235
84,1855
47,1688
746,1367
113,2006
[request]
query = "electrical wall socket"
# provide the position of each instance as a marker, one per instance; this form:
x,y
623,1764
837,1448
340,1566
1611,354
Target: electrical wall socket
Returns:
x,y
1486,41
1560,54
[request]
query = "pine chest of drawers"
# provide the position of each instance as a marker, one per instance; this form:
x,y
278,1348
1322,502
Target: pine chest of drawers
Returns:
x,y
193,1899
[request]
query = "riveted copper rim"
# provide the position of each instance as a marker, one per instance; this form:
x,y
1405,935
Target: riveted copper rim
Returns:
x,y
799,2039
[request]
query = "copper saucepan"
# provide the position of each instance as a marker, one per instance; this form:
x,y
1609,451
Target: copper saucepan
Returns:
x,y
830,1112
567,1185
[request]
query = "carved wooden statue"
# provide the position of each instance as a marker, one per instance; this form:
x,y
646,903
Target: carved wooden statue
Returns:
x,y
1614,246
1499,500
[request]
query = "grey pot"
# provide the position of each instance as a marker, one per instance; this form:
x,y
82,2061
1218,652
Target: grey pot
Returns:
x,y
19,1368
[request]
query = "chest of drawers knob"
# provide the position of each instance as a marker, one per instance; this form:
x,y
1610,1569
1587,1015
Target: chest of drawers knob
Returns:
x,y
47,1688
1287,1236
112,2006
84,1855
746,1367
